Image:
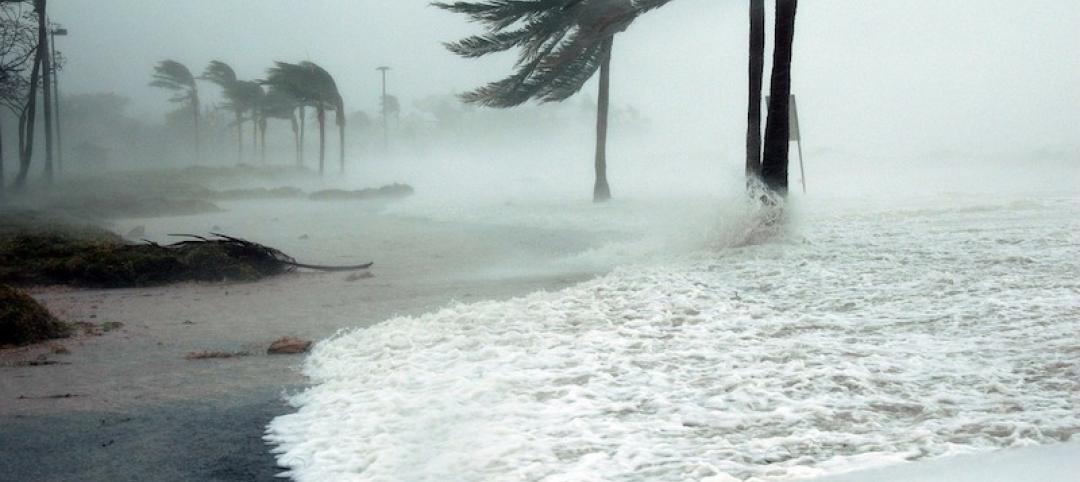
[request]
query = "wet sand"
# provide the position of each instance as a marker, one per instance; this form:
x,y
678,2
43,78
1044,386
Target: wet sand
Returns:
x,y
131,407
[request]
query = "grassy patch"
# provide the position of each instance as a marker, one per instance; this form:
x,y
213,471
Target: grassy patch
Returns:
x,y
24,321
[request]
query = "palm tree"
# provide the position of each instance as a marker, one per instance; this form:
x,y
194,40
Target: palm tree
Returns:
x,y
241,97
774,167
757,73
279,105
174,76
313,86
562,45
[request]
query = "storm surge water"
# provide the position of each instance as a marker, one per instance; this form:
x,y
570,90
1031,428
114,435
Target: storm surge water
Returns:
x,y
868,334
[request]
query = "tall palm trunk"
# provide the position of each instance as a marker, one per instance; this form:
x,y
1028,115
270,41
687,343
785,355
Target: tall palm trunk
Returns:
x,y
46,88
601,190
778,127
320,116
296,136
198,137
757,73
262,140
239,137
254,138
300,146
341,134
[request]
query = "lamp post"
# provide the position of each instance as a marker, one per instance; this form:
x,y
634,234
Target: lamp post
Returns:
x,y
385,124
57,32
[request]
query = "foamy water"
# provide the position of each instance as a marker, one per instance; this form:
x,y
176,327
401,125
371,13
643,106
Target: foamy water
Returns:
x,y
865,336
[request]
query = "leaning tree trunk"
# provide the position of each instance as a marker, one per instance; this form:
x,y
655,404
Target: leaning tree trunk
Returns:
x,y
320,116
46,89
601,190
778,127
27,120
757,73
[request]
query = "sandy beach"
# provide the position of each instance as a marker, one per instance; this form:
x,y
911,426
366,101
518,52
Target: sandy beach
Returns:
x,y
127,405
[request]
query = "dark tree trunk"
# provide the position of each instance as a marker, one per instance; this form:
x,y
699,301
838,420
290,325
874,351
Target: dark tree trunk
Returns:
x,y
320,116
341,139
296,136
300,145
778,127
254,138
46,87
601,190
27,120
757,73
262,140
239,137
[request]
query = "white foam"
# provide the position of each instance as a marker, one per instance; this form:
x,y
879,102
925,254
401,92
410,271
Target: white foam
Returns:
x,y
871,337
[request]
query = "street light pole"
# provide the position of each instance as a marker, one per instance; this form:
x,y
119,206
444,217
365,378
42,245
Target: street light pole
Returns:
x,y
385,124
61,32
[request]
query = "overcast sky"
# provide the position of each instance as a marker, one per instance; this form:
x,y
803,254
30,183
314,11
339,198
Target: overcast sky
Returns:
x,y
919,75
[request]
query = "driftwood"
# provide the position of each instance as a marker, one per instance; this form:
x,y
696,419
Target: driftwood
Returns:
x,y
243,248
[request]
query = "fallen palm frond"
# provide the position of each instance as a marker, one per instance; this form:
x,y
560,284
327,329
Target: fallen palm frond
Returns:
x,y
49,257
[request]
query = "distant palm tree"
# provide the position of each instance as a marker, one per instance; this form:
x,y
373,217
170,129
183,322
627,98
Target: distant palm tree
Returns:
x,y
774,166
313,86
174,76
242,97
280,105
562,45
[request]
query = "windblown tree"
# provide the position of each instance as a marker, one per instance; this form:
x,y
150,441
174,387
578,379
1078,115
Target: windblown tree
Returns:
x,y
561,43
243,98
174,76
774,165
279,105
312,86
17,49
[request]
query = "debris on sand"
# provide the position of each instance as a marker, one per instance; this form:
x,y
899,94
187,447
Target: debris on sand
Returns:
x,y
24,321
215,355
289,346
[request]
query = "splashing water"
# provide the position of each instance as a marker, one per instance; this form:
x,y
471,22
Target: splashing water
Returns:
x,y
870,337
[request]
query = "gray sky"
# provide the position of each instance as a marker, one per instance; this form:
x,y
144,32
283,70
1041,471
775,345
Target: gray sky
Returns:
x,y
871,75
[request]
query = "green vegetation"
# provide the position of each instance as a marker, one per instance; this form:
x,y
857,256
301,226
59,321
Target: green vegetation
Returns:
x,y
23,320
38,252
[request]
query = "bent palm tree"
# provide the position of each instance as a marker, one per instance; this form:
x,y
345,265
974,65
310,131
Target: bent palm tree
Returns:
x,y
313,86
174,76
241,97
562,43
774,166
279,105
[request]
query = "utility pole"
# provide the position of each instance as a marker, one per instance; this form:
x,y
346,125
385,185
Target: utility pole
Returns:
x,y
57,32
385,123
